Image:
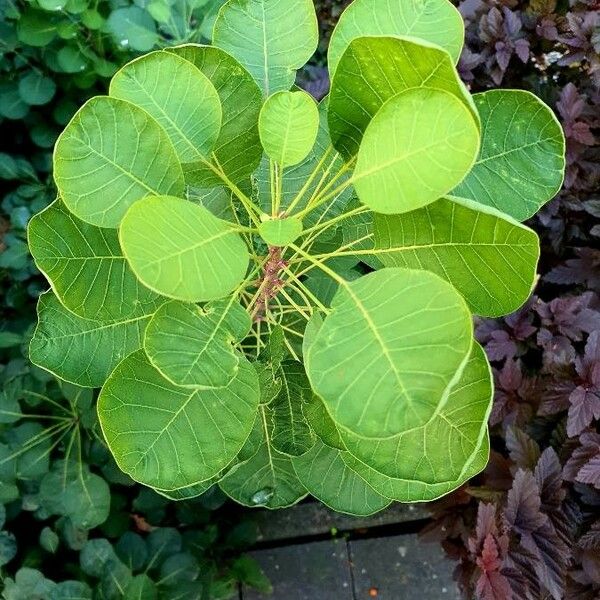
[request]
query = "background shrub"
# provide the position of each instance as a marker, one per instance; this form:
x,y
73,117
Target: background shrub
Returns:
x,y
528,527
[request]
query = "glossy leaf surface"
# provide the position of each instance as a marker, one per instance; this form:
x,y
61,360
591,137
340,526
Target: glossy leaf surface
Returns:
x,y
199,257
420,144
111,155
522,159
142,414
489,258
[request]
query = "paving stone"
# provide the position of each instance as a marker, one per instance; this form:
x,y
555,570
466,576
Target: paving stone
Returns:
x,y
315,571
401,568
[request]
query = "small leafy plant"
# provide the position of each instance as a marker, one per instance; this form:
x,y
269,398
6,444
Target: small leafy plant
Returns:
x,y
277,296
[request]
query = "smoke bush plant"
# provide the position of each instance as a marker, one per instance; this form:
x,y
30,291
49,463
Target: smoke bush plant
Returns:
x,y
278,296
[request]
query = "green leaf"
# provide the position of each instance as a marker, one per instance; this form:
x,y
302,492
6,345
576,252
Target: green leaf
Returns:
x,y
322,165
268,365
238,150
170,437
490,258
111,155
71,590
435,457
291,433
49,541
267,479
178,95
271,38
36,28
288,127
8,547
384,355
28,584
141,587
328,478
199,257
132,27
81,351
322,424
280,232
420,144
95,556
193,346
132,550
436,21
86,267
36,89
77,494
374,69
522,159
192,491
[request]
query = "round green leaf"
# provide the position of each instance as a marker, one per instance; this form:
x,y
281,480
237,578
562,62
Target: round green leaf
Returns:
x,y
420,144
71,590
110,155
387,351
36,28
49,540
170,437
267,479
36,89
175,93
71,60
78,350
522,159
490,258
81,496
193,346
238,150
280,232
325,474
271,39
180,250
435,21
429,460
141,587
288,127
52,4
132,27
374,69
86,267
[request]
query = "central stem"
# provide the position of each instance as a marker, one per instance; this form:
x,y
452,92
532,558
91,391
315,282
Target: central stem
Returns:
x,y
270,283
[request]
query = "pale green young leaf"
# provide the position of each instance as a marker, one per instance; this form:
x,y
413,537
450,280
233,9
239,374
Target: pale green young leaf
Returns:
x,y
431,459
238,149
280,232
319,167
86,267
111,155
490,258
193,346
179,249
417,148
78,350
291,433
178,96
436,21
169,437
374,69
522,159
325,474
271,38
267,479
288,127
384,355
